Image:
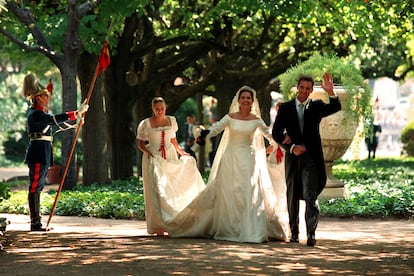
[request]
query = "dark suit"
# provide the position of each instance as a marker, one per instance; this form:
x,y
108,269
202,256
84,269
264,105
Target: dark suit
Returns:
x,y
189,140
305,174
372,139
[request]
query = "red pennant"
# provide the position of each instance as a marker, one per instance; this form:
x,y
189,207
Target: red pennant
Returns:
x,y
104,58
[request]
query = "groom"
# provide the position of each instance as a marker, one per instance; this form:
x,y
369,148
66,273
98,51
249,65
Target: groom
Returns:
x,y
304,162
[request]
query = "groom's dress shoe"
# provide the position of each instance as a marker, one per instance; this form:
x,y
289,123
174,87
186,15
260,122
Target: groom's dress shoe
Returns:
x,y
294,238
311,240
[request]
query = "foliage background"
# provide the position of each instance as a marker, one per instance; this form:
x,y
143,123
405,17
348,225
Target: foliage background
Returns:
x,y
343,73
215,46
407,138
375,188
14,140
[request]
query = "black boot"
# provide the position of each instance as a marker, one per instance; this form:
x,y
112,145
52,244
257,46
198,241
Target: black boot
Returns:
x,y
34,206
311,239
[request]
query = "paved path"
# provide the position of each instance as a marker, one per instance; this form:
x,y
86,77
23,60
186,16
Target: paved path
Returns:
x,y
90,246
7,173
82,246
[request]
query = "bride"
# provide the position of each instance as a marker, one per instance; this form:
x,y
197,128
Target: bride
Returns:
x,y
239,202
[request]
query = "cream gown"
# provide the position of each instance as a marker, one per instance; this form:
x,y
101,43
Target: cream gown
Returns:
x,y
239,202
170,184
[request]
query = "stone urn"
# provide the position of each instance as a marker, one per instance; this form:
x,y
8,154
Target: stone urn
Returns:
x,y
337,132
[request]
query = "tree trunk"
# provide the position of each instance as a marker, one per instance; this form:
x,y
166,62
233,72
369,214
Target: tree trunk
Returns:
x,y
225,91
120,128
66,61
141,110
69,98
94,138
68,68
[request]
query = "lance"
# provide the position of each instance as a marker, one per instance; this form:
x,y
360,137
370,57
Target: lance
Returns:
x,y
103,63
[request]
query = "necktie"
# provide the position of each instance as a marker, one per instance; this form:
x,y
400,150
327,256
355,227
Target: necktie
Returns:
x,y
300,115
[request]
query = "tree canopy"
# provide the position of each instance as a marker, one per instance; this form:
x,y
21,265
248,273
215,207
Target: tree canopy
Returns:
x,y
214,46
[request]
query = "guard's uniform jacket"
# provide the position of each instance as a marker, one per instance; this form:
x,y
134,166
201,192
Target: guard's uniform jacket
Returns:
x,y
39,152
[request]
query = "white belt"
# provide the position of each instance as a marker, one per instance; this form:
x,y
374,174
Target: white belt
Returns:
x,y
43,138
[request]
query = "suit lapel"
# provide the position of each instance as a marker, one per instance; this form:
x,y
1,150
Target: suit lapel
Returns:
x,y
294,117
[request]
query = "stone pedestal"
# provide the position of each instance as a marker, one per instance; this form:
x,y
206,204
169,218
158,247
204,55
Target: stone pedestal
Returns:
x,y
329,193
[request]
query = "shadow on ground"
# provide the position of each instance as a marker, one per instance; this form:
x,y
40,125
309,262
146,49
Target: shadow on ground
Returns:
x,y
84,253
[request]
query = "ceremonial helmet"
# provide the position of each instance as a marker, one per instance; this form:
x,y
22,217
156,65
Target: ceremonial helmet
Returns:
x,y
32,87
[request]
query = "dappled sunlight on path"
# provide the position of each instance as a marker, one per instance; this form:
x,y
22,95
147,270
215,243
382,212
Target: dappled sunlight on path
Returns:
x,y
121,247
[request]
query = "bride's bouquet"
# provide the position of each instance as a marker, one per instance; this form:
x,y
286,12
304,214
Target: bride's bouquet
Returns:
x,y
200,133
197,130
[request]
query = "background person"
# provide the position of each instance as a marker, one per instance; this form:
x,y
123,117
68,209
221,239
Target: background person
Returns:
x,y
213,141
189,135
276,159
371,140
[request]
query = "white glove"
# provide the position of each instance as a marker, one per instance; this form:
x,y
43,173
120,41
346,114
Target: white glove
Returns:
x,y
197,130
83,108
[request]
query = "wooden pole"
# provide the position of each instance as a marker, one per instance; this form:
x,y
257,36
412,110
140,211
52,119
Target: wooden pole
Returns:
x,y
75,139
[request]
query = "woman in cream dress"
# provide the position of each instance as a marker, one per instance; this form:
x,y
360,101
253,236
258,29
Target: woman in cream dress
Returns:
x,y
170,183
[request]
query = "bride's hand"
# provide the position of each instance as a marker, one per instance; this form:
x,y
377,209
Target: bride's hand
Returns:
x,y
269,149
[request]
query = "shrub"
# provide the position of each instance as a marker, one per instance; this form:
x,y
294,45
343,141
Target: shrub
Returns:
x,y
15,146
377,188
407,139
380,188
4,191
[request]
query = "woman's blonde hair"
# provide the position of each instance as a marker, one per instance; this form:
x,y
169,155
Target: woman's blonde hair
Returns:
x,y
158,100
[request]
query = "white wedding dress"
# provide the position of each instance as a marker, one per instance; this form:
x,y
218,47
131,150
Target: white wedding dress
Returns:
x,y
170,184
239,202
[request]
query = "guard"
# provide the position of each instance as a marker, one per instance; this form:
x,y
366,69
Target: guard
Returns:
x,y
39,155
